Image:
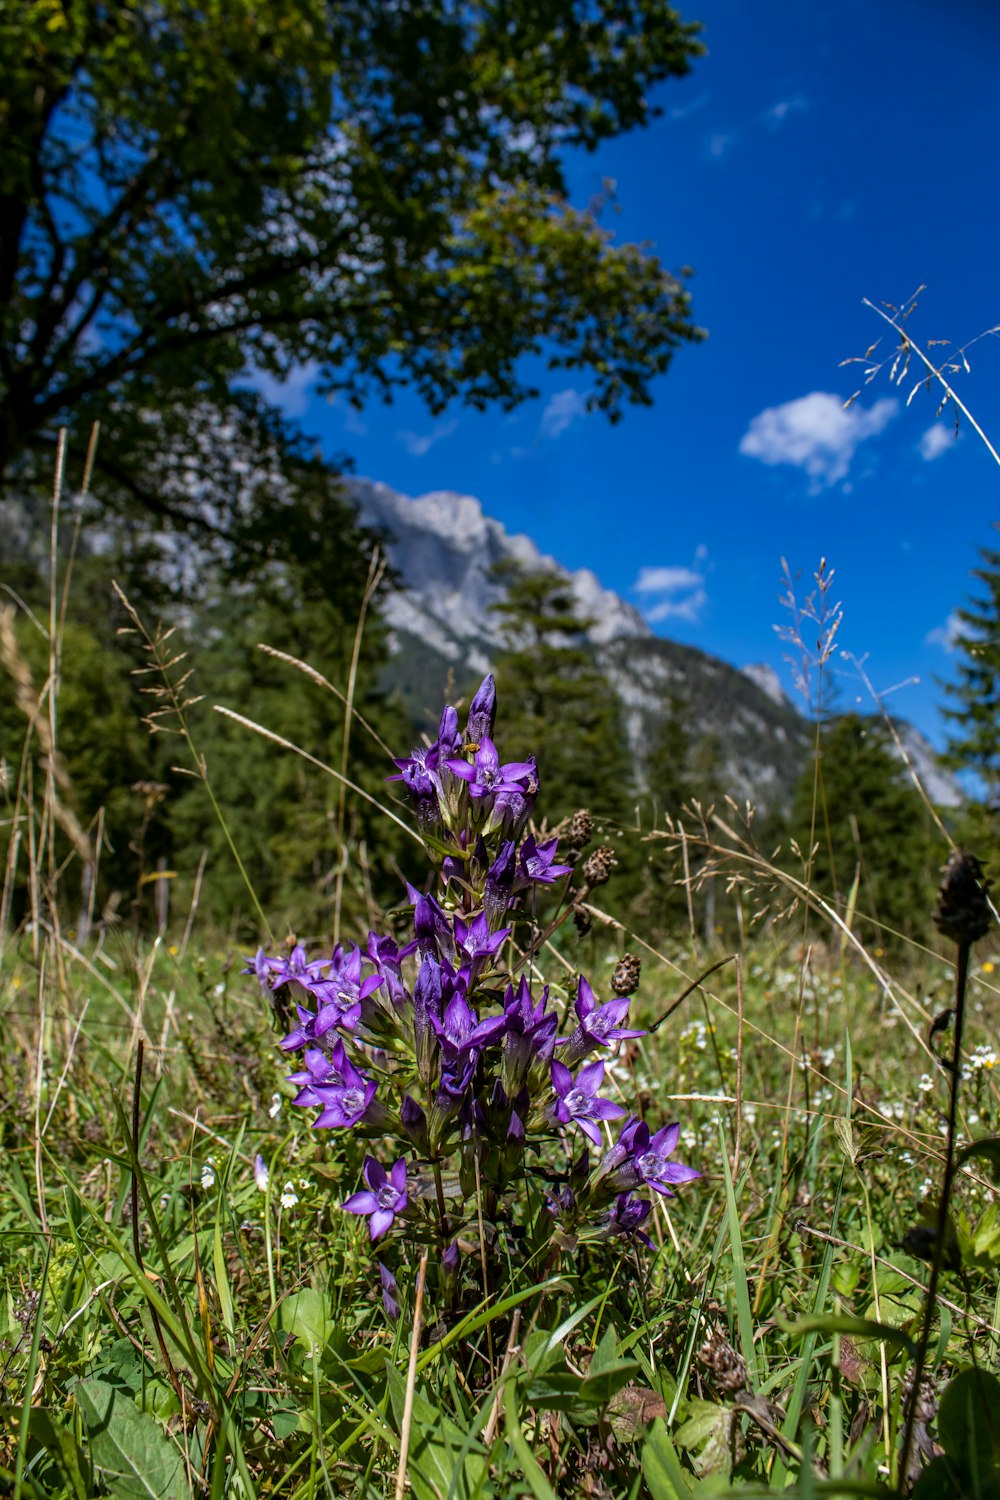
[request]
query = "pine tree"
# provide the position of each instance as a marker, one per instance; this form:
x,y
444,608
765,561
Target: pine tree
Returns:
x,y
557,703
974,744
869,827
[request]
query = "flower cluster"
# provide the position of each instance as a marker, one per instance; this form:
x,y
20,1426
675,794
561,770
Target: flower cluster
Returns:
x,y
444,1046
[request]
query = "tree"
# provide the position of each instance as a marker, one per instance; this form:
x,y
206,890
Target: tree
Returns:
x,y
974,744
190,193
870,827
557,703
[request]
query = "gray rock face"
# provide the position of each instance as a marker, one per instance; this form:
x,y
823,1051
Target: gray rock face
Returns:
x,y
443,546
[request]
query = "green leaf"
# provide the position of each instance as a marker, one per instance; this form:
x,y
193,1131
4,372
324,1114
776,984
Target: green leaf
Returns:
x,y
661,1468
305,1314
988,1147
442,1460
969,1423
855,1328
136,1459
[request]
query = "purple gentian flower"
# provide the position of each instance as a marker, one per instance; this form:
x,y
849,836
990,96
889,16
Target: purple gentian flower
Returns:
x,y
482,711
486,776
390,1293
600,1025
651,1159
459,1030
346,1096
577,1102
530,1035
475,939
536,863
499,884
625,1218
384,1198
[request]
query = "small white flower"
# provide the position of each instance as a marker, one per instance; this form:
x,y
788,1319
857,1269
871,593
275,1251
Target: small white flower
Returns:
x,y
219,991
926,1083
208,1173
261,1174
274,1109
289,1197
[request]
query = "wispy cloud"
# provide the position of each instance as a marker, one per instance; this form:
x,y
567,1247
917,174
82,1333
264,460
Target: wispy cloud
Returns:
x,y
946,635
672,592
779,113
290,396
720,143
816,434
935,441
563,409
419,443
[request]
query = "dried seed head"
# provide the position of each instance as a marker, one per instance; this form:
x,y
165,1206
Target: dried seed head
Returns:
x,y
597,868
625,979
727,1368
581,829
581,920
963,908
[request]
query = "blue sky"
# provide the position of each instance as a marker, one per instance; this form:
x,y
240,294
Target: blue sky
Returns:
x,y
820,154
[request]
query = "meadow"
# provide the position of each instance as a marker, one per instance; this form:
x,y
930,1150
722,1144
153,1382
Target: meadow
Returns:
x,y
751,1245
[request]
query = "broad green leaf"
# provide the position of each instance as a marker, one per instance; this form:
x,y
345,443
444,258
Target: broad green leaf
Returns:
x,y
969,1423
661,1468
989,1148
136,1459
306,1315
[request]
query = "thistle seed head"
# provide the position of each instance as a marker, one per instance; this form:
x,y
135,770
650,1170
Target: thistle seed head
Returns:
x,y
963,908
726,1367
625,979
581,829
597,868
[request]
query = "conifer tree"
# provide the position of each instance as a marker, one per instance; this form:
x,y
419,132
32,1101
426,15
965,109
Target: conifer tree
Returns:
x,y
974,743
871,827
557,700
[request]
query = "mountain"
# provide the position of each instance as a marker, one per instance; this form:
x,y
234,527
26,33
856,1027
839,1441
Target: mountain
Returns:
x,y
444,636
443,547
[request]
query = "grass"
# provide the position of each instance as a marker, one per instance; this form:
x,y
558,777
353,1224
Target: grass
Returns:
x,y
188,1311
236,1339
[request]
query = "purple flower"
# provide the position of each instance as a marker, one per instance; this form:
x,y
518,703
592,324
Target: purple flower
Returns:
x,y
624,1220
459,1030
535,864
346,1097
499,884
385,1197
390,1292
651,1159
600,1025
487,777
530,1033
577,1102
482,712
476,943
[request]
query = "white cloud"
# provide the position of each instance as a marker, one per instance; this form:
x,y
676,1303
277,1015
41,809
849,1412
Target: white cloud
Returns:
x,y
672,592
935,441
780,112
419,443
563,409
815,433
666,580
720,144
946,635
291,395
